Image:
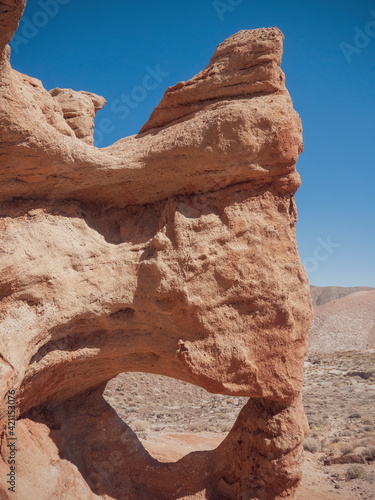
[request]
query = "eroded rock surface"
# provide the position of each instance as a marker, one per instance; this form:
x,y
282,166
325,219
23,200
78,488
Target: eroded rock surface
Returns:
x,y
172,252
79,109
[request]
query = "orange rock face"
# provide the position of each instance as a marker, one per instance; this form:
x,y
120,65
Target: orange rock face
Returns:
x,y
169,252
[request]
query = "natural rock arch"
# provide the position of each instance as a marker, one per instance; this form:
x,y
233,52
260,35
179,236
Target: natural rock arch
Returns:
x,y
170,252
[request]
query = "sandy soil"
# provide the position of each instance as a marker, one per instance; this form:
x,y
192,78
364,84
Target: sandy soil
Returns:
x,y
173,418
318,482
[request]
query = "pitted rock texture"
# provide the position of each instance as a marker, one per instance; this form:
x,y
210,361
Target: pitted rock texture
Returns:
x,y
79,109
170,252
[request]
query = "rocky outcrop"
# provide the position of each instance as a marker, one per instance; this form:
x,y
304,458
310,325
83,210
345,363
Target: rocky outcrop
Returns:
x,y
169,252
79,109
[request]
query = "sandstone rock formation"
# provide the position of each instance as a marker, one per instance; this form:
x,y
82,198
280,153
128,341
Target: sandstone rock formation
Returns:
x,y
79,109
172,252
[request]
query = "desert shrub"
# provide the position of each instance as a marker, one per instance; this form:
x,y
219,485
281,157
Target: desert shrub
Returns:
x,y
329,450
211,428
139,425
225,427
369,453
158,428
355,414
346,433
355,471
195,427
312,445
346,449
368,441
368,421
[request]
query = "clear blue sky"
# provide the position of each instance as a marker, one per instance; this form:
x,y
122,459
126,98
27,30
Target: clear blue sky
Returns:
x,y
109,47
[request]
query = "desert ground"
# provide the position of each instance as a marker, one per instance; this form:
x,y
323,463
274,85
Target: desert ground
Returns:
x,y
173,418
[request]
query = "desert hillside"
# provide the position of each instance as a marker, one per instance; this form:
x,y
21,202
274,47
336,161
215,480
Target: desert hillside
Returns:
x,y
345,324
322,294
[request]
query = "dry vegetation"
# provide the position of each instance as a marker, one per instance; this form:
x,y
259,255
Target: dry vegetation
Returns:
x,y
158,403
339,399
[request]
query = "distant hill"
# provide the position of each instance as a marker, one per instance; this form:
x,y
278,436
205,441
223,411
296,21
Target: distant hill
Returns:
x,y
345,324
322,294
